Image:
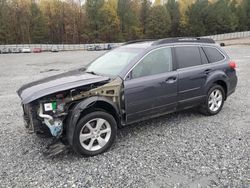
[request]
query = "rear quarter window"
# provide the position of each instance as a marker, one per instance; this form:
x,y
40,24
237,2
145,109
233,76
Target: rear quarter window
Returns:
x,y
213,54
203,57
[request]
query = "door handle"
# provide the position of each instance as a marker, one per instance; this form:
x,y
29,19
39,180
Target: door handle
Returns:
x,y
171,79
208,71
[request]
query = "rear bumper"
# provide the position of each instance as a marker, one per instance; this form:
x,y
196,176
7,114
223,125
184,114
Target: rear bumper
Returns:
x,y
230,92
233,84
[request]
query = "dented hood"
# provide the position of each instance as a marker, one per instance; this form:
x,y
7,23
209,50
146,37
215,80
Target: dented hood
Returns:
x,y
57,83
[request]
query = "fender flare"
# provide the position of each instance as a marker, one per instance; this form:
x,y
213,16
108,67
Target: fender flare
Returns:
x,y
75,113
215,77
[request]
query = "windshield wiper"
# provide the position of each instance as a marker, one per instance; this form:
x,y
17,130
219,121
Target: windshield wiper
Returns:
x,y
91,72
82,69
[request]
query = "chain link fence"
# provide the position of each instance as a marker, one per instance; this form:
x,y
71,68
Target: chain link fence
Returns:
x,y
72,47
62,47
228,36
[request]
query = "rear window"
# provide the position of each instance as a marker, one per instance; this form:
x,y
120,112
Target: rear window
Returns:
x,y
213,54
187,56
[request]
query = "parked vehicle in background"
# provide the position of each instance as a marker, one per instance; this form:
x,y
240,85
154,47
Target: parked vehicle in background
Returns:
x,y
37,50
110,46
5,51
90,48
26,50
10,50
98,48
137,81
54,49
16,50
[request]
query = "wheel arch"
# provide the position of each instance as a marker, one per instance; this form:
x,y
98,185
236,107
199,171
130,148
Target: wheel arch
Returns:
x,y
219,78
86,106
223,85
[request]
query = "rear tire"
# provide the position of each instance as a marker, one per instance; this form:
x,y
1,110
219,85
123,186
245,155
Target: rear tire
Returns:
x,y
94,133
214,101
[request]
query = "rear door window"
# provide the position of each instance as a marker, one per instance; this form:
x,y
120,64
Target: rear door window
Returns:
x,y
187,56
213,54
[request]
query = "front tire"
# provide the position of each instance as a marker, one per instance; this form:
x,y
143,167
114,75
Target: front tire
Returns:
x,y
94,133
214,101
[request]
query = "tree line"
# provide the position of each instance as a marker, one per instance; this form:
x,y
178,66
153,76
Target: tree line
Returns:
x,y
93,21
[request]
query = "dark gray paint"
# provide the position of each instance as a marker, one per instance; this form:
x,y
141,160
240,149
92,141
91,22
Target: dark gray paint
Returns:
x,y
148,96
57,83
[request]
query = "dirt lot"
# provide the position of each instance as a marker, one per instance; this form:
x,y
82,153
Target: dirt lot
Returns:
x,y
183,149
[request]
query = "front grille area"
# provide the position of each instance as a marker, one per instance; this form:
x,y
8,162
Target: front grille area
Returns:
x,y
27,117
31,121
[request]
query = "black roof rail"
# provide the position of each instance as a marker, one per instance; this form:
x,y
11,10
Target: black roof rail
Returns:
x,y
183,39
139,40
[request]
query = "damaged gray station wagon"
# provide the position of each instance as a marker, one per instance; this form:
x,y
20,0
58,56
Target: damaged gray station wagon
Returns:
x,y
132,83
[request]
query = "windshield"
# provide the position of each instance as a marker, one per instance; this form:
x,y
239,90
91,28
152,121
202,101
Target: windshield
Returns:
x,y
112,62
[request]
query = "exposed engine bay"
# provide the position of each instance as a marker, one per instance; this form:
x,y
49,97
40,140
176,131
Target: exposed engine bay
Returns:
x,y
52,110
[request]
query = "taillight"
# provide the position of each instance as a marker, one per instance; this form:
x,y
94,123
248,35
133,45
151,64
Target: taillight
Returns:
x,y
232,64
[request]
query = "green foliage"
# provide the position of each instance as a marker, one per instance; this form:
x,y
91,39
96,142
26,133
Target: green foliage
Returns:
x,y
221,18
110,22
175,16
198,18
144,13
38,29
69,21
129,22
94,16
3,21
243,13
159,23
124,13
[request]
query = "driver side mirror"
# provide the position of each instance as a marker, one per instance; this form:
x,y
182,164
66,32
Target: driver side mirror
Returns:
x,y
129,76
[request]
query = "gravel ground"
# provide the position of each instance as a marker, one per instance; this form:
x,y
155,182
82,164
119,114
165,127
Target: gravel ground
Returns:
x,y
183,149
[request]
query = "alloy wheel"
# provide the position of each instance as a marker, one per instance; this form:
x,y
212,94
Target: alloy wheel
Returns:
x,y
215,100
95,134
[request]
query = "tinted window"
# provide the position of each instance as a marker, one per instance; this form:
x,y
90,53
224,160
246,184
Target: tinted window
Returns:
x,y
213,54
203,57
158,61
187,56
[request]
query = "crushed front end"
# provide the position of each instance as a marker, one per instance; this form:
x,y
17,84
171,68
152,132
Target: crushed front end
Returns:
x,y
52,110
49,112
